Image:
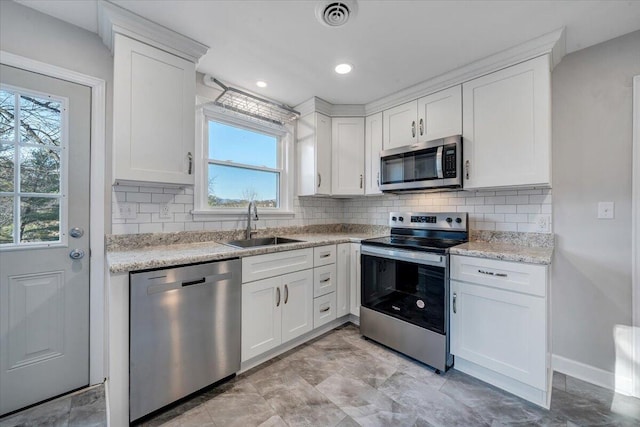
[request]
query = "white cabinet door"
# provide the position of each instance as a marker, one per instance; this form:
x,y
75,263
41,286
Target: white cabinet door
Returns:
x,y
297,304
506,127
261,317
313,154
440,114
372,148
347,154
500,330
343,276
354,282
153,114
400,125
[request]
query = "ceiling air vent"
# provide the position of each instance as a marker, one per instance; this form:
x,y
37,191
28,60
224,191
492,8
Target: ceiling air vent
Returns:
x,y
335,13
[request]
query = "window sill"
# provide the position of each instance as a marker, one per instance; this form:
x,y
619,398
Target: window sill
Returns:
x,y
234,214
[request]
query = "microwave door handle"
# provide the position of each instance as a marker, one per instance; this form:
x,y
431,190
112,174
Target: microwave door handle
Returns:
x,y
439,162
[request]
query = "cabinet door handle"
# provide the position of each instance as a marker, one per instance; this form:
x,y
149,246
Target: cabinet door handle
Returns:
x,y
324,310
413,128
467,166
278,297
325,280
455,300
378,179
491,273
286,294
319,180
360,180
327,255
190,157
421,127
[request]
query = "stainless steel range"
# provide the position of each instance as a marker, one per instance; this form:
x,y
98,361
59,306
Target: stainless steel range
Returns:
x,y
405,284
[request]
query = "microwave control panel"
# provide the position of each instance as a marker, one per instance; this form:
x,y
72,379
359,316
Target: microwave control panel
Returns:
x,y
449,160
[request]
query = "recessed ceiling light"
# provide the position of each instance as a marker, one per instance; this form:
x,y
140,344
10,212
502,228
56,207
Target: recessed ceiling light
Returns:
x,y
260,83
343,68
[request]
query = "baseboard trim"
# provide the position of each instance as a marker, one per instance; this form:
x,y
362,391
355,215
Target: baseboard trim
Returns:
x,y
592,375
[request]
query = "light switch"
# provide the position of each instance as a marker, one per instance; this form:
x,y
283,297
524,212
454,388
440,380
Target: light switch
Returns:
x,y
605,210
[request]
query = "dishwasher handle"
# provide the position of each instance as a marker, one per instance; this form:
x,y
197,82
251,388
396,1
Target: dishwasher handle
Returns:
x,y
164,287
194,282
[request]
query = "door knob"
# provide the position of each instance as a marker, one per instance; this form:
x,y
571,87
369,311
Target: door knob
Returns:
x,y
76,254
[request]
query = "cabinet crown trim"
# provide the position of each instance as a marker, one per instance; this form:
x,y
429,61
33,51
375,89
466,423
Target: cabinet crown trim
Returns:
x,y
113,19
318,105
552,43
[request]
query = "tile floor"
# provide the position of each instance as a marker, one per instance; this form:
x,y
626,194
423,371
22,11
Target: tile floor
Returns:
x,y
341,379
84,408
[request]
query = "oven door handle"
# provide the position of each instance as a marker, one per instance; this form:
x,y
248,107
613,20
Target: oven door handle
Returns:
x,y
416,257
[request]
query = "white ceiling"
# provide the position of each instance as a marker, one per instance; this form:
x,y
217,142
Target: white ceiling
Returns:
x,y
392,44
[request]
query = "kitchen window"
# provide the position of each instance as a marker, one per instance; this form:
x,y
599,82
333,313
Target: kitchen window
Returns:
x,y
243,161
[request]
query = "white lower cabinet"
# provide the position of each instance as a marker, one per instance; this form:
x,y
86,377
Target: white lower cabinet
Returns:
x,y
324,309
354,279
499,333
275,310
343,277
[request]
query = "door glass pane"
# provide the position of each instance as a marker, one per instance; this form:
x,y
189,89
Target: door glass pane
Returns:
x,y
6,167
7,112
39,219
6,220
40,120
392,170
39,170
234,187
242,146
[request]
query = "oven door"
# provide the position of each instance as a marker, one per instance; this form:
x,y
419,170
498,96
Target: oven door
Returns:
x,y
408,285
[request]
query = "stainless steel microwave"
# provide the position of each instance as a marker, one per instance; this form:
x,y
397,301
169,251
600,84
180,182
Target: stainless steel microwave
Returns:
x,y
423,166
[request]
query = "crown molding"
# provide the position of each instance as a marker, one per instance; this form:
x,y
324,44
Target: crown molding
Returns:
x,y
114,19
552,43
319,105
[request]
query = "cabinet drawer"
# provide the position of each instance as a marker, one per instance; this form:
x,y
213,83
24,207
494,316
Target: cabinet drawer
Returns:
x,y
324,280
512,276
324,309
324,255
270,265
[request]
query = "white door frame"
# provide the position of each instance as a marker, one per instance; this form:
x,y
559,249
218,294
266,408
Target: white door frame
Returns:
x,y
97,220
635,236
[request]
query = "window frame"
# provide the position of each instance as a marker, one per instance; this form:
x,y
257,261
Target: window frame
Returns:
x,y
284,135
62,196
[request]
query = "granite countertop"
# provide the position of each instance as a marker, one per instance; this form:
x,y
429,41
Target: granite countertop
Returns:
x,y
532,248
143,258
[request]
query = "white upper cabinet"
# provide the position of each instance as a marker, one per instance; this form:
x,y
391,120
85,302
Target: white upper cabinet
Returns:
x,y
400,125
440,114
313,151
153,114
431,117
347,148
372,148
507,127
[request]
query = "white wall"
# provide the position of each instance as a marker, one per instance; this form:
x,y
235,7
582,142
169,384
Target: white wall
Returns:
x,y
32,34
592,144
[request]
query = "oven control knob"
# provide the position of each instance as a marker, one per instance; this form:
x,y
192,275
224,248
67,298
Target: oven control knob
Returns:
x,y
449,220
458,220
400,219
393,218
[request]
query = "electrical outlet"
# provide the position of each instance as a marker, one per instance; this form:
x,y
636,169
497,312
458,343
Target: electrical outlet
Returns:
x,y
543,224
165,213
126,211
605,210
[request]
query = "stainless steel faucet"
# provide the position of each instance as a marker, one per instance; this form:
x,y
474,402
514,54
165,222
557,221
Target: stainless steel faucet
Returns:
x,y
249,217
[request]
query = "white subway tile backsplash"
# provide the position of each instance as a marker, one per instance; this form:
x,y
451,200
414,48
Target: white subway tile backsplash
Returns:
x,y
506,210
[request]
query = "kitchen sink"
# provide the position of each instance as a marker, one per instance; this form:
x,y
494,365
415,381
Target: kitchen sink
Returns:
x,y
261,241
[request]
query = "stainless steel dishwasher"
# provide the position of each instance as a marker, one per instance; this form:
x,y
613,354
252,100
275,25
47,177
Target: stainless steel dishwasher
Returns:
x,y
184,332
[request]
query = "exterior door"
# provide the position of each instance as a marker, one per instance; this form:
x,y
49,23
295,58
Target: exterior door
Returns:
x,y
44,217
